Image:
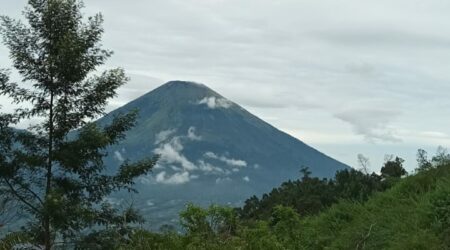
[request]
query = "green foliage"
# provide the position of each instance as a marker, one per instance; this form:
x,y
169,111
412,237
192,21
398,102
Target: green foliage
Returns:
x,y
440,211
208,225
143,240
399,218
14,239
311,195
442,157
259,236
286,226
412,214
356,185
393,168
422,161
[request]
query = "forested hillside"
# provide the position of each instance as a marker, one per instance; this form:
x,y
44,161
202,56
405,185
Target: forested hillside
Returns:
x,y
354,210
414,213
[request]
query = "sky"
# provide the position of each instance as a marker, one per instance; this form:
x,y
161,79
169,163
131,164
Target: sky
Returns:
x,y
347,77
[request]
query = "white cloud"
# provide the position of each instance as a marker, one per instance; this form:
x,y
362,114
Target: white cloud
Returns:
x,y
176,178
220,180
229,161
164,135
118,156
171,153
209,168
158,166
191,134
246,179
146,180
215,102
175,168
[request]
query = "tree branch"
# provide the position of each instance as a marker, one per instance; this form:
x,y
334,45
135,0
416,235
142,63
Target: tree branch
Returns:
x,y
363,240
23,200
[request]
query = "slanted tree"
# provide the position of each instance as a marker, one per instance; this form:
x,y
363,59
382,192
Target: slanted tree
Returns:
x,y
55,168
364,164
393,168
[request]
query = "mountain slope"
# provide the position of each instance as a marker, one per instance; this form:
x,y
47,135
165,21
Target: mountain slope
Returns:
x,y
212,150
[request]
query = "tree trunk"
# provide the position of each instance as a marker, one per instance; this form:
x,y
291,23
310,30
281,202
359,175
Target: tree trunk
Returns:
x,y
47,232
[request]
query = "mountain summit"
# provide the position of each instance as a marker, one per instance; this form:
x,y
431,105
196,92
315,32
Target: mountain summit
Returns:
x,y
212,151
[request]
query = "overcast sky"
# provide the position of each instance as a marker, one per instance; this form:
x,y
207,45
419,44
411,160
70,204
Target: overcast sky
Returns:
x,y
346,77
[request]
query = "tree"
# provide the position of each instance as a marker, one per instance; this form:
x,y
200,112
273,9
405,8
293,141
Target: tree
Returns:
x,y
286,226
442,157
393,168
55,168
364,164
422,160
351,184
305,172
205,225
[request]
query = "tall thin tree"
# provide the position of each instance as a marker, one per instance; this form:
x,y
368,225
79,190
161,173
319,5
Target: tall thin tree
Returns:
x,y
55,168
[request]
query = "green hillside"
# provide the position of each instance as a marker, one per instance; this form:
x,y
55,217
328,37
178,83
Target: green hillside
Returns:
x,y
413,214
387,212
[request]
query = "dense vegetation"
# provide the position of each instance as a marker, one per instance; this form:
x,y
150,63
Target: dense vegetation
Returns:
x,y
367,212
310,195
411,213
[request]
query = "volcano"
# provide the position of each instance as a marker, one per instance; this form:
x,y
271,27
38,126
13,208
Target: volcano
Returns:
x,y
211,151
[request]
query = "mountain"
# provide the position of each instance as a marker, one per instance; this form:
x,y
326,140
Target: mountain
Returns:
x,y
212,151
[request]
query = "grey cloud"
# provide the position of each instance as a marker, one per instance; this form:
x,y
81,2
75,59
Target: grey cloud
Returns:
x,y
373,124
363,69
297,61
137,86
434,134
384,36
